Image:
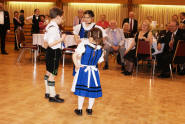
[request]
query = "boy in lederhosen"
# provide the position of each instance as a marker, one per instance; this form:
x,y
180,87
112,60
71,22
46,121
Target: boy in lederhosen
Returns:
x,y
53,41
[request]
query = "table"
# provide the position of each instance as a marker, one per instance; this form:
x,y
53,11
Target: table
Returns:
x,y
38,39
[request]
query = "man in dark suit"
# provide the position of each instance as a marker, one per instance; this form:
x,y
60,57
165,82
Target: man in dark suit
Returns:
x,y
170,40
4,26
132,22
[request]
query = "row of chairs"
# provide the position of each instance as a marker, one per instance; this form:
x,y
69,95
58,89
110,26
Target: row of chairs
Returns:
x,y
144,53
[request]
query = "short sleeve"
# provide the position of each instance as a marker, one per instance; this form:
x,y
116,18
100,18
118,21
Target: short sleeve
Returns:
x,y
80,48
76,29
102,57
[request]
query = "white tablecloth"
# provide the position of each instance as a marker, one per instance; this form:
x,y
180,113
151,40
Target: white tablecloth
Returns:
x,y
69,41
38,39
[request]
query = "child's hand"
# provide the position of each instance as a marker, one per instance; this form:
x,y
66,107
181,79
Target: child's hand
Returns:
x,y
45,44
77,66
63,36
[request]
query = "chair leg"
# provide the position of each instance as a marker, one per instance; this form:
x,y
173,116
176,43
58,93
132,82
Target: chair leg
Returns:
x,y
20,55
171,71
35,56
153,73
137,67
63,60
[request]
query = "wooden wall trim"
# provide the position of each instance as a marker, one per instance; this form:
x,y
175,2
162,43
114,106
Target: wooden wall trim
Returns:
x,y
160,2
31,0
96,1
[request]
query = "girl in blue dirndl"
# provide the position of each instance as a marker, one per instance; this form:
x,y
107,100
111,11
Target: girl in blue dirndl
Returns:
x,y
87,81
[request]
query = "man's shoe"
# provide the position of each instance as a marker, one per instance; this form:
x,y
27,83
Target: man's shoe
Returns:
x,y
4,52
164,75
46,95
122,67
56,99
89,111
78,112
127,73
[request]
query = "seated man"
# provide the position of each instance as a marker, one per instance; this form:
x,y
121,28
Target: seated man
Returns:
x,y
170,40
114,42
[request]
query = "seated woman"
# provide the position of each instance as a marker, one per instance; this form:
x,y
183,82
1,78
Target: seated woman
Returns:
x,y
126,31
146,35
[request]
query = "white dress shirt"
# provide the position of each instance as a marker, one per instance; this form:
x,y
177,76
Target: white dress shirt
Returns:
x,y
1,17
52,34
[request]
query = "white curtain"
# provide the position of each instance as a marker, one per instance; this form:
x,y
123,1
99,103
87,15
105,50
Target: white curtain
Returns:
x,y
112,11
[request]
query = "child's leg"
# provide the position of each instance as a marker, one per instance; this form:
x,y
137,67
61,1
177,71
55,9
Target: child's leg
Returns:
x,y
46,81
91,103
51,84
80,102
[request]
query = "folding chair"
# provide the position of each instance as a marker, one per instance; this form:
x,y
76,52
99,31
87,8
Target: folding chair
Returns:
x,y
179,56
20,39
144,53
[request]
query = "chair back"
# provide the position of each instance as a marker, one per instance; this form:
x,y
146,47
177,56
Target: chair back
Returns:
x,y
179,56
143,49
19,33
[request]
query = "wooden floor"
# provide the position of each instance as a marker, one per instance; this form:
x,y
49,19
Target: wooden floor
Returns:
x,y
126,99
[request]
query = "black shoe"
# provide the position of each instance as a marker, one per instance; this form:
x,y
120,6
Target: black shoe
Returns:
x,y
105,67
164,75
4,52
78,111
56,99
89,111
46,95
126,73
122,67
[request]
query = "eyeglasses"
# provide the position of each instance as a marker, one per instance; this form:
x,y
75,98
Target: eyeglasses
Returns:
x,y
86,17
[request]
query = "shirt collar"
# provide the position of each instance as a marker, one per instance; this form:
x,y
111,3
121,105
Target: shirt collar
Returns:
x,y
174,33
113,30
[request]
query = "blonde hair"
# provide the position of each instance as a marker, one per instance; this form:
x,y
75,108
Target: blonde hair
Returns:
x,y
148,24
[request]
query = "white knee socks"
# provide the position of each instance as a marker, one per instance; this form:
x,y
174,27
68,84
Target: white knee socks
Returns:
x,y
80,102
91,103
46,84
52,91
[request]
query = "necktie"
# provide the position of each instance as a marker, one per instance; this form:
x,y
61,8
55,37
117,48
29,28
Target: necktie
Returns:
x,y
130,25
115,40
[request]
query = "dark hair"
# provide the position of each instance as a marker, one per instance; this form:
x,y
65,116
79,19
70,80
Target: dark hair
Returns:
x,y
182,13
97,35
89,12
21,11
35,10
15,12
42,16
54,12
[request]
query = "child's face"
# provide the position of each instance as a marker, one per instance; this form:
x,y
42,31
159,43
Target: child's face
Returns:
x,y
88,19
60,19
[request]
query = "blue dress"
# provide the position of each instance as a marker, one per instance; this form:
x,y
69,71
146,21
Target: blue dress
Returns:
x,y
88,80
